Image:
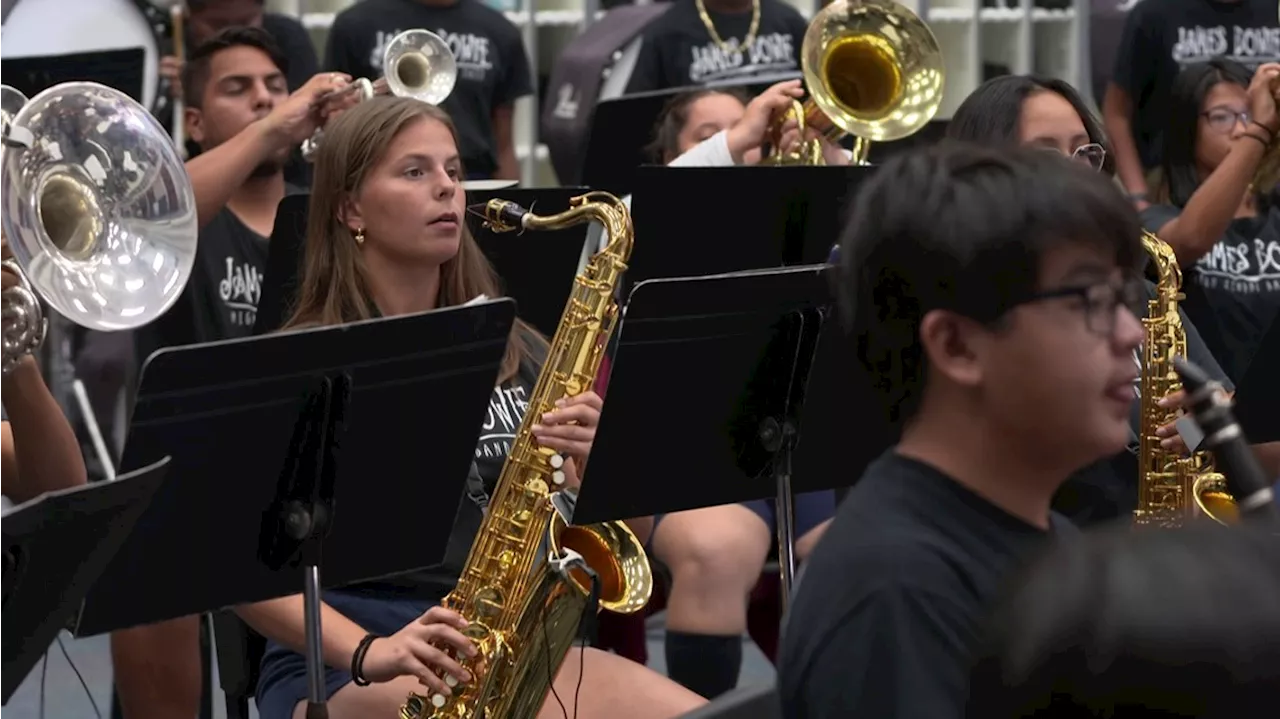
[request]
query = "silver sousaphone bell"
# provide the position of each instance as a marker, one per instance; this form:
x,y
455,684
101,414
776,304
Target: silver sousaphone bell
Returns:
x,y
98,211
418,64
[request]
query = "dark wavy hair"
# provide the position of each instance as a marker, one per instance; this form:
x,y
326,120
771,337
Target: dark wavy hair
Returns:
x,y
1118,623
990,115
195,73
672,119
1182,123
962,227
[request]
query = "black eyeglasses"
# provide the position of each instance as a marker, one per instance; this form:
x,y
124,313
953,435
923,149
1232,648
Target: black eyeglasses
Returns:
x,y
1100,302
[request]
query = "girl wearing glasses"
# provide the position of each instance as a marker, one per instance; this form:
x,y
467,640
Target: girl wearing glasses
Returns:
x,y
1225,232
1047,113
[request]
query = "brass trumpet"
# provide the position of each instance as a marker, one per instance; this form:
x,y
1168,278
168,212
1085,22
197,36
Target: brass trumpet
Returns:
x,y
418,63
873,69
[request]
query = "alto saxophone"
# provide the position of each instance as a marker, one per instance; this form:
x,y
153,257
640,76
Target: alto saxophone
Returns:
x,y
1172,489
531,576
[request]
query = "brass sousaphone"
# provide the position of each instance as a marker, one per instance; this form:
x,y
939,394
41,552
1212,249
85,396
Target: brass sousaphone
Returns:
x,y
98,210
873,70
417,63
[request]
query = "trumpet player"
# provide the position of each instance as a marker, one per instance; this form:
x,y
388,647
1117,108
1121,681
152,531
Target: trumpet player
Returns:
x,y
246,122
493,68
40,449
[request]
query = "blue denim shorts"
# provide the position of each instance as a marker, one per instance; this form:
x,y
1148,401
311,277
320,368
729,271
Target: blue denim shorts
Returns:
x,y
282,682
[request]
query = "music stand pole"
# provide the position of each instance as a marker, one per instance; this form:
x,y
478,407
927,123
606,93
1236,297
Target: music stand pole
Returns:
x,y
778,437
304,510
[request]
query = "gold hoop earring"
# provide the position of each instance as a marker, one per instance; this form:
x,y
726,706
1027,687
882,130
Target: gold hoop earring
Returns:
x,y
359,236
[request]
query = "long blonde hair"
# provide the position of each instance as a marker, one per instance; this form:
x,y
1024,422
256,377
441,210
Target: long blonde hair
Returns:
x,y
334,284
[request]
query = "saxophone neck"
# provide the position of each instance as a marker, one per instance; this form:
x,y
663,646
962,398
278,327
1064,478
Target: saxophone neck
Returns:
x,y
602,207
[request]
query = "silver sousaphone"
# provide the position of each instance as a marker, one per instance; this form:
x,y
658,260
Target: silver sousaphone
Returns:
x,y
98,211
417,63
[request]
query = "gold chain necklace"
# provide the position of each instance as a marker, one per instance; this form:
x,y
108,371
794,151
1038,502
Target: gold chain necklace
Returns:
x,y
735,46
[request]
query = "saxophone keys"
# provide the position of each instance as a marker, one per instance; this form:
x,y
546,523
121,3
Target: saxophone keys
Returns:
x,y
557,461
437,700
557,477
450,681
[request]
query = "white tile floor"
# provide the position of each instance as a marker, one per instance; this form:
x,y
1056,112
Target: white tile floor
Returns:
x,y
65,698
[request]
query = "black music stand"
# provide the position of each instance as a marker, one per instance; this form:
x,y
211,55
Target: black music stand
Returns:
x,y
621,131
119,69
351,442
55,547
706,220
735,349
284,257
537,269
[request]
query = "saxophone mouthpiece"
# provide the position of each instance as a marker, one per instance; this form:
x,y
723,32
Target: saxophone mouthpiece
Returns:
x,y
500,215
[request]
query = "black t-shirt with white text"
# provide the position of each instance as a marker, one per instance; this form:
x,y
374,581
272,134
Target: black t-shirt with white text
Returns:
x,y
1233,292
889,608
1163,36
220,301
493,69
677,49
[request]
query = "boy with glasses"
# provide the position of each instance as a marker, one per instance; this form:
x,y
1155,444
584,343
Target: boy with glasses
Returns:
x,y
989,293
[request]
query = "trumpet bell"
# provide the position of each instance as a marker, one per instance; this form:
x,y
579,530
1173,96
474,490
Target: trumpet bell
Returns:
x,y
873,68
98,208
419,64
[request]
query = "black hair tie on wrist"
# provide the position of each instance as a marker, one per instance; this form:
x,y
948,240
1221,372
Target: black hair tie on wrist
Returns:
x,y
1271,134
1265,142
357,660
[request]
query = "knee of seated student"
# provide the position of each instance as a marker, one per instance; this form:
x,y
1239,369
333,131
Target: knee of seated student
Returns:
x,y
157,669
612,688
720,548
806,543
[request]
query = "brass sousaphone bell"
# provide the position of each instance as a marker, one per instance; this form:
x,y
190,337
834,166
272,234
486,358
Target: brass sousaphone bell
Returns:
x,y
873,69
417,63
98,210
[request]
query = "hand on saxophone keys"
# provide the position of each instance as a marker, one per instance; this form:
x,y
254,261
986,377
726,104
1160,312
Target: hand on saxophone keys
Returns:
x,y
1170,437
424,649
570,429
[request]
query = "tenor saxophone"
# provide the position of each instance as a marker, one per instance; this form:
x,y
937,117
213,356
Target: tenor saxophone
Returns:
x,y
531,576
1172,489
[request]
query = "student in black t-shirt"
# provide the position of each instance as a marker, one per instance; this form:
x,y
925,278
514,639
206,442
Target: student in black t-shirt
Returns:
x,y
493,69
206,18
707,42
39,449
1161,37
988,292
240,112
1180,623
1041,112
387,237
1219,125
